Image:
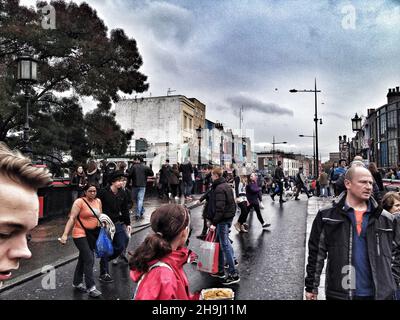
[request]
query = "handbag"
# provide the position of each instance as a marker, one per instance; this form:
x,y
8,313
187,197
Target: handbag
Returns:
x,y
93,235
208,254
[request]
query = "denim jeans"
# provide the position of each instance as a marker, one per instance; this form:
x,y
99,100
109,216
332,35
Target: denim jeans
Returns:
x,y
324,190
138,197
225,247
188,185
85,263
120,242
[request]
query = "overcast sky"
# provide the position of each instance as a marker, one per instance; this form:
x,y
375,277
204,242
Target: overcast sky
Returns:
x,y
251,53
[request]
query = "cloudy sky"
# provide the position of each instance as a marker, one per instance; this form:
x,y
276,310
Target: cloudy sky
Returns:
x,y
252,52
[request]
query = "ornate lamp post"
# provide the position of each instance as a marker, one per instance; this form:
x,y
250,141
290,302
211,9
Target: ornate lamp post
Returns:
x,y
198,130
27,75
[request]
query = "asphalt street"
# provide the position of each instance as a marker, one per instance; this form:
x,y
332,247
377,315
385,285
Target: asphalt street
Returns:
x,y
271,262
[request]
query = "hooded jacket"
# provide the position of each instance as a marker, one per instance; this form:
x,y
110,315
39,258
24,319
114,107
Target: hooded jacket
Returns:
x,y
332,236
162,283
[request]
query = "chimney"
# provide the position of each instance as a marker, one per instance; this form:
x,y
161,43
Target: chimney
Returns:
x,y
393,95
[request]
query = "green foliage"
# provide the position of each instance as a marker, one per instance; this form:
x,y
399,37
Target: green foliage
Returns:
x,y
78,58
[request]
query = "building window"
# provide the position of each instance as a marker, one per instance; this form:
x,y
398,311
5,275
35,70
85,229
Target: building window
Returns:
x,y
184,122
190,123
383,154
391,125
393,153
382,127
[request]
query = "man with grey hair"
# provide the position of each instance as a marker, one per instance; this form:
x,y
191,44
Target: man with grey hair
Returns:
x,y
19,207
359,239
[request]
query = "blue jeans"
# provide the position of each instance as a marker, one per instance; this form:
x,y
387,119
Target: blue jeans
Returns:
x,y
138,197
120,242
225,247
324,190
188,185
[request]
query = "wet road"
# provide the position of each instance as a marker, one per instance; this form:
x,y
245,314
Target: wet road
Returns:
x,y
271,262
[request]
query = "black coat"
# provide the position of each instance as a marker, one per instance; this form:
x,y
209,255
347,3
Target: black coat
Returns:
x,y
332,236
221,204
138,174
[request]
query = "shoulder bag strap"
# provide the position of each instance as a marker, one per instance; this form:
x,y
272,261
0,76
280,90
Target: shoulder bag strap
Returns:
x,y
92,210
157,264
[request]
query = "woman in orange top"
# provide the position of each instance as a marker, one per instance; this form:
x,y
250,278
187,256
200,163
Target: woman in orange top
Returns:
x,y
81,219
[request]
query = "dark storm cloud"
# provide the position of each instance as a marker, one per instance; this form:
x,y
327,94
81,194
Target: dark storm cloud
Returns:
x,y
253,104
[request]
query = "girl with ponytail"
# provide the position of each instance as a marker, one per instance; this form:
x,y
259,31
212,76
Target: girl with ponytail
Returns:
x,y
157,264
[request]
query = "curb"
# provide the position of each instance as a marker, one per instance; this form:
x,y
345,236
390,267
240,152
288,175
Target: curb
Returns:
x,y
58,263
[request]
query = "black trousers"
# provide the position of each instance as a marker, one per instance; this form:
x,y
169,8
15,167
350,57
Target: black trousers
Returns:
x,y
257,210
244,212
85,263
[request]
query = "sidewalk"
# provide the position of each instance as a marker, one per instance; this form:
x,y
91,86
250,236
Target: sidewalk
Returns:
x,y
47,252
314,204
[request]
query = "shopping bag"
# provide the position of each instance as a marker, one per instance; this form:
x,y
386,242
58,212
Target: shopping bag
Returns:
x,y
208,254
104,246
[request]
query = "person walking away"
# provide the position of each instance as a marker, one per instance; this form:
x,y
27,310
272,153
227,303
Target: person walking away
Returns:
x,y
301,184
378,179
222,209
323,184
243,204
93,174
187,171
82,220
157,264
371,246
115,205
253,196
279,178
19,207
174,181
165,173
137,177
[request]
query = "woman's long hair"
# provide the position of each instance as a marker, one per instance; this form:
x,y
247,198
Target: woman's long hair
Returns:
x,y
167,222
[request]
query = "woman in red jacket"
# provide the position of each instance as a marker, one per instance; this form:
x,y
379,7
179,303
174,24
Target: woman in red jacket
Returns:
x,y
157,264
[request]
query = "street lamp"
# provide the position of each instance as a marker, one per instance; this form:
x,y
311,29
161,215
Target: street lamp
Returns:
x,y
313,136
356,123
26,74
273,148
198,130
315,119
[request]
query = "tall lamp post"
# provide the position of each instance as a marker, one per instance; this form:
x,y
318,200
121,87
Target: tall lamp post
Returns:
x,y
313,136
273,148
315,120
198,130
27,74
356,126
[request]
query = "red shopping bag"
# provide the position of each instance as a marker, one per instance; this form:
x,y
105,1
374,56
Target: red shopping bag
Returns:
x,y
208,254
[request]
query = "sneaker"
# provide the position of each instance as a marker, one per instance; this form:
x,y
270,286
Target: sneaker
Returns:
x,y
296,199
220,275
231,279
266,225
238,226
243,229
94,293
80,287
106,278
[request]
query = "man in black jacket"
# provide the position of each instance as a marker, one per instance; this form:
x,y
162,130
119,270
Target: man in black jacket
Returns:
x,y
138,174
279,177
221,210
360,240
115,204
